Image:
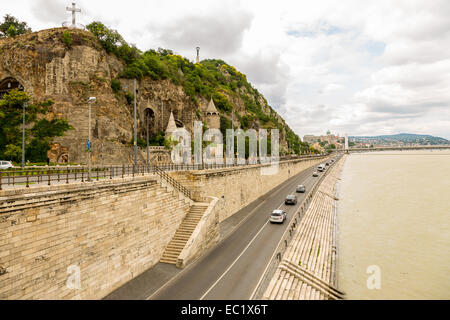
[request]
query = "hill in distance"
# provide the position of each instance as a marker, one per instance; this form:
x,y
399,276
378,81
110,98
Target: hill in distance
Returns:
x,y
401,138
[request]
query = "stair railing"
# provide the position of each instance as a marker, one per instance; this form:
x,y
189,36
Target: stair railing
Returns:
x,y
174,183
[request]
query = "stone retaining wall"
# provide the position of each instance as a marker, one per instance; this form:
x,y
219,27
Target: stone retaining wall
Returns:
x,y
111,230
236,187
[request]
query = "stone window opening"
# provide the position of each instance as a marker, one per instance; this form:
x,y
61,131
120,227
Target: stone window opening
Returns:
x,y
149,122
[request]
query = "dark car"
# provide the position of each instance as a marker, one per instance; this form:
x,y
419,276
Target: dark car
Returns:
x,y
300,188
291,199
327,163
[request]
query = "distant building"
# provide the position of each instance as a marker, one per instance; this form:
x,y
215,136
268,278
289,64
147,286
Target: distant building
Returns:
x,y
329,139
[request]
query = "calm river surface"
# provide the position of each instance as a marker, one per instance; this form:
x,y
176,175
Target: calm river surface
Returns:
x,y
394,214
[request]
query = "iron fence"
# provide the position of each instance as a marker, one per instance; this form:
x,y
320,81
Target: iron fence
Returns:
x,y
48,175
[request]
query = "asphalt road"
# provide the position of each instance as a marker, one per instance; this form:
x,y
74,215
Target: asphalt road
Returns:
x,y
233,268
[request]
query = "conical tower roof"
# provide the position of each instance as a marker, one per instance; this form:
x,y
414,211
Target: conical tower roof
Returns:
x,y
171,126
211,107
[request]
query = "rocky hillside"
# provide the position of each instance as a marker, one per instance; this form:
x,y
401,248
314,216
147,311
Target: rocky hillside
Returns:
x,y
68,66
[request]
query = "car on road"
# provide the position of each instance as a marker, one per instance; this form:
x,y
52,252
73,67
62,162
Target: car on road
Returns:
x,y
6,164
327,163
300,188
291,199
321,167
277,216
315,174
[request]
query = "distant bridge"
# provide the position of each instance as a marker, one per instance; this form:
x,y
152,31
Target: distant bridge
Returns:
x,y
404,148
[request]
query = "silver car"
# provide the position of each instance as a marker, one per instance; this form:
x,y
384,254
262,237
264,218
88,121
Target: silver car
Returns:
x,y
300,188
277,216
6,164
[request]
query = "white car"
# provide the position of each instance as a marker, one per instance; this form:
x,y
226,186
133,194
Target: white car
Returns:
x,y
6,164
277,216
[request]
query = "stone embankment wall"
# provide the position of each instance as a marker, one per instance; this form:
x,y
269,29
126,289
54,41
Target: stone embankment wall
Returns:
x,y
237,187
111,230
308,266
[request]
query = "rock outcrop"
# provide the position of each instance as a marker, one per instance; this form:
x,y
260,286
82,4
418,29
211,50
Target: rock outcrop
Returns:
x,y
48,69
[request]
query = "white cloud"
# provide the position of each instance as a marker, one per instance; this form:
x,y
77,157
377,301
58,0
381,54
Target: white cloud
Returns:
x,y
330,88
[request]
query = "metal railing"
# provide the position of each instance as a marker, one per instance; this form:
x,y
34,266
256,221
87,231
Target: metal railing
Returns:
x,y
174,183
48,175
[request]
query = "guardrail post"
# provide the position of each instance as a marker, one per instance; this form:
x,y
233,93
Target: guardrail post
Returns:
x,y
123,170
0,181
26,172
97,173
67,175
111,172
48,176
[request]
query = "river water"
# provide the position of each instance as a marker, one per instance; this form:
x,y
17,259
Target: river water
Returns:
x,y
394,218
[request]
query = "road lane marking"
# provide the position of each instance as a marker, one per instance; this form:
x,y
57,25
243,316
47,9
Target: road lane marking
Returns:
x,y
278,245
251,213
234,262
248,245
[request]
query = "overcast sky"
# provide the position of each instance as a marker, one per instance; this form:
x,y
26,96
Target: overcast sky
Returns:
x,y
359,67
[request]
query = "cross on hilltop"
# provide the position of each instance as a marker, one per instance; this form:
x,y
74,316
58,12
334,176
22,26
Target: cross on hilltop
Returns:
x,y
74,10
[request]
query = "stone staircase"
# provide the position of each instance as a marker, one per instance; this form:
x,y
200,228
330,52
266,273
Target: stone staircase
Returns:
x,y
183,233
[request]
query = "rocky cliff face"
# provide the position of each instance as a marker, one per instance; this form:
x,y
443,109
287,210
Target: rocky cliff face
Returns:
x,y
48,69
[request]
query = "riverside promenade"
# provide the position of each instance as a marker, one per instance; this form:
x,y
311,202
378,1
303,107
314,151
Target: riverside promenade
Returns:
x,y
307,270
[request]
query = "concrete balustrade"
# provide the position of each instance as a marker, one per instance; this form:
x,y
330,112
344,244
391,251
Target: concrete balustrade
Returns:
x,y
306,268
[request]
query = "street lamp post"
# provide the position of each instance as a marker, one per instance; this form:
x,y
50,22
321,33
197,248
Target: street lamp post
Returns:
x,y
148,154
135,131
23,135
88,145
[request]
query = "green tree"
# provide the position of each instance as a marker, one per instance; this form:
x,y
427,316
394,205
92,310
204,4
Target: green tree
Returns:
x,y
13,153
221,101
11,117
109,38
67,39
12,27
40,134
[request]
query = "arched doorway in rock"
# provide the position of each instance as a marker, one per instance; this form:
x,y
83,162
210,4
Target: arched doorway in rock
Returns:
x,y
9,84
148,123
